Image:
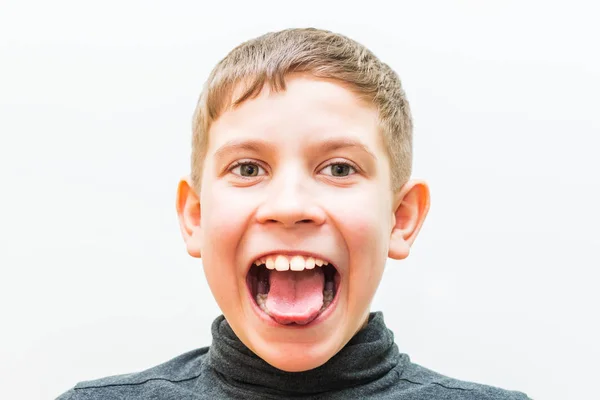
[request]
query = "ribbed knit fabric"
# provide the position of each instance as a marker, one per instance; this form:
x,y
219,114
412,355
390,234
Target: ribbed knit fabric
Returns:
x,y
368,367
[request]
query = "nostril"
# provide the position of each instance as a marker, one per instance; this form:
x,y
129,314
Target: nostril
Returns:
x,y
305,220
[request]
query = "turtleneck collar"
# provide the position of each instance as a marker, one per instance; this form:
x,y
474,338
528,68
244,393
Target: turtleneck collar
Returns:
x,y
368,356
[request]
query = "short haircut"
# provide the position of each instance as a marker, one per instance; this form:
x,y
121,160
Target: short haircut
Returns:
x,y
269,58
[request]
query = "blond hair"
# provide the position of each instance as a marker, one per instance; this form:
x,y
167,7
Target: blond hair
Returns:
x,y
268,59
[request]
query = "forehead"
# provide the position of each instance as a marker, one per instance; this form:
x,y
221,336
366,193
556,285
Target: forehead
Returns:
x,y
308,111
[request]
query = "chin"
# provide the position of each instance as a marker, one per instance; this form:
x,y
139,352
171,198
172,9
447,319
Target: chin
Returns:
x,y
291,357
295,348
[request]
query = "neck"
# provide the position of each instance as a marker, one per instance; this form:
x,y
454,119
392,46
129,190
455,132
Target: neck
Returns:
x,y
368,356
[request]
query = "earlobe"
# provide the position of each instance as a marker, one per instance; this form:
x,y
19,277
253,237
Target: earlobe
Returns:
x,y
411,206
188,212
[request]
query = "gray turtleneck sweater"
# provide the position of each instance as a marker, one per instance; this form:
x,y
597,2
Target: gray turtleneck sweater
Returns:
x,y
368,367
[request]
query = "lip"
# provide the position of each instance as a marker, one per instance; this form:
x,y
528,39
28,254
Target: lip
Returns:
x,y
324,315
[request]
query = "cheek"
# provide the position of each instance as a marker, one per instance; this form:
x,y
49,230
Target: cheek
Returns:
x,y
224,215
364,221
363,218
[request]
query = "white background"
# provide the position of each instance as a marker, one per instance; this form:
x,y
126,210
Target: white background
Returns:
x,y
95,114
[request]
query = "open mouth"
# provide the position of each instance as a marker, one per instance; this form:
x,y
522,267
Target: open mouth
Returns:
x,y
293,290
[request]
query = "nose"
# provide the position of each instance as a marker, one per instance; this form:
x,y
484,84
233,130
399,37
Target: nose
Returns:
x,y
289,202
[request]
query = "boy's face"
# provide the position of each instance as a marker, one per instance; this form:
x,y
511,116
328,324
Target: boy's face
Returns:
x,y
303,172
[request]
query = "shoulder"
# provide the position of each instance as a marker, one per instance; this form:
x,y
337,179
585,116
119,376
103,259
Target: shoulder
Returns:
x,y
170,377
427,384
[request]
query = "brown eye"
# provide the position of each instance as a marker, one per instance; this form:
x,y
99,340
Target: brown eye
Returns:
x,y
339,170
247,169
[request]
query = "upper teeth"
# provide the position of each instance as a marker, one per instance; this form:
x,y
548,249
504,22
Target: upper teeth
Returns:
x,y
295,263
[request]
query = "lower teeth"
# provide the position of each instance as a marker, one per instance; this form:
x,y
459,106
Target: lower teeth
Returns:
x,y
261,300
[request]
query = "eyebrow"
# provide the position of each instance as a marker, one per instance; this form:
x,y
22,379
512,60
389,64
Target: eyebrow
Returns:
x,y
327,145
236,145
343,143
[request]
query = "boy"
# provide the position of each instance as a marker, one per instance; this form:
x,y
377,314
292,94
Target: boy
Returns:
x,y
299,191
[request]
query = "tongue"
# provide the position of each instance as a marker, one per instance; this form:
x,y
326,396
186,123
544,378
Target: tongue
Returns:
x,y
295,296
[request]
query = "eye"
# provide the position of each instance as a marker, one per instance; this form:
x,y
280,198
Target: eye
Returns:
x,y
339,169
247,169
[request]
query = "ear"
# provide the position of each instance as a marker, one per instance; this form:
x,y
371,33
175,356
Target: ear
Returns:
x,y
188,211
411,205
